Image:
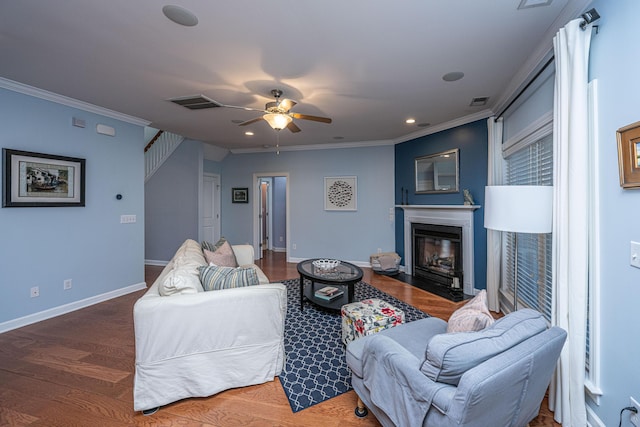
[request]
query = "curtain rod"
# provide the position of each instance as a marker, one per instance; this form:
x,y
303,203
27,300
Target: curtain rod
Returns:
x,y
588,17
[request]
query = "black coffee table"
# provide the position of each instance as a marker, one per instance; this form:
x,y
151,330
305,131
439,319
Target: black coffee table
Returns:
x,y
344,277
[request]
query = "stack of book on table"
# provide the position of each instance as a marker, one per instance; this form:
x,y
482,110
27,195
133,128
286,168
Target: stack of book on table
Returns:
x,y
328,293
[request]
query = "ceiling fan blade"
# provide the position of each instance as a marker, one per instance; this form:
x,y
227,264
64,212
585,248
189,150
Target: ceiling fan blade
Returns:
x,y
248,122
314,118
293,127
287,104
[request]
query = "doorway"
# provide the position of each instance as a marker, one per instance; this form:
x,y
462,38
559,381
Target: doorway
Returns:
x,y
271,213
210,229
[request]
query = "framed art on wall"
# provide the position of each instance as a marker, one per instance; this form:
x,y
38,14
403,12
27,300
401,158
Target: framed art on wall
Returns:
x,y
340,193
240,195
41,180
629,155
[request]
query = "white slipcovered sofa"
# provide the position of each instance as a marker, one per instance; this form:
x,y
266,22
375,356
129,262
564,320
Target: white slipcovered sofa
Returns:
x,y
193,343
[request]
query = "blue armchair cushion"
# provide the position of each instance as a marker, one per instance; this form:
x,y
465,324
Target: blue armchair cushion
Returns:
x,y
449,356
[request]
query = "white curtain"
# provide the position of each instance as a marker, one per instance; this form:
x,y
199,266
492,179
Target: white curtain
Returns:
x,y
570,219
494,238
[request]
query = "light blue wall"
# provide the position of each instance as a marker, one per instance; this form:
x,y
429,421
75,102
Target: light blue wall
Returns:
x,y
211,166
614,62
279,212
351,236
171,202
471,140
45,246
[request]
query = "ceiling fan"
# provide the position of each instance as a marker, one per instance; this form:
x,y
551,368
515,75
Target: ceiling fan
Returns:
x,y
279,115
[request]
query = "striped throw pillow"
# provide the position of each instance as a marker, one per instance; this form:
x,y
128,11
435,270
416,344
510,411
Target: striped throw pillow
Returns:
x,y
214,278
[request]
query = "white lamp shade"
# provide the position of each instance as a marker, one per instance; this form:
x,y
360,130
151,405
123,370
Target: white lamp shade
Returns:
x,y
518,208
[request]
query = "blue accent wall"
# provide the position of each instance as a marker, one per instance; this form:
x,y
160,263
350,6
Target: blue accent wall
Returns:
x,y
45,246
471,140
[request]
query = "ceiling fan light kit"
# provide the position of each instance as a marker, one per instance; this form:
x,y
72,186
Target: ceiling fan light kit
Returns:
x,y
277,121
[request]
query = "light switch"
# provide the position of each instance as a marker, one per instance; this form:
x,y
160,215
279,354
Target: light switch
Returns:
x,y
635,254
127,219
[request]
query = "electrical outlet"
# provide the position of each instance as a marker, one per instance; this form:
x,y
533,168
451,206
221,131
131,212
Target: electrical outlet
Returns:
x,y
67,284
35,292
379,250
294,246
635,418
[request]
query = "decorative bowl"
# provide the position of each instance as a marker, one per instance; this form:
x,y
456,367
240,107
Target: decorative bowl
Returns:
x,y
326,264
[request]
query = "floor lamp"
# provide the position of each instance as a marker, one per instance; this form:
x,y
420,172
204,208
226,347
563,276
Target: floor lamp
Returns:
x,y
519,209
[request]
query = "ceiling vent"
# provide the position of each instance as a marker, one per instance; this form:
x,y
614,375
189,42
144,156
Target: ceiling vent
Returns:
x,y
196,102
479,102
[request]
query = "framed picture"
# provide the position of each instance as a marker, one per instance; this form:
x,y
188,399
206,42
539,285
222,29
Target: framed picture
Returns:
x,y
629,155
240,195
41,180
340,193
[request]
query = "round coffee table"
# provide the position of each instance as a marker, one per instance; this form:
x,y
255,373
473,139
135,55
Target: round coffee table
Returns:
x,y
344,277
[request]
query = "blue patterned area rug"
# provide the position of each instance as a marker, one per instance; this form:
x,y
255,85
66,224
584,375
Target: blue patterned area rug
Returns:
x,y
315,368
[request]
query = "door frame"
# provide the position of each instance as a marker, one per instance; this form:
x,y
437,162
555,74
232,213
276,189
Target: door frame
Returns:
x,y
256,211
217,211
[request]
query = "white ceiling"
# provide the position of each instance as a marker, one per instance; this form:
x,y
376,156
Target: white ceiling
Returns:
x,y
367,64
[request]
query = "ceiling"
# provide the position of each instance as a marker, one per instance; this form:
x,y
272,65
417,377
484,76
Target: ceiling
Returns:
x,y
369,65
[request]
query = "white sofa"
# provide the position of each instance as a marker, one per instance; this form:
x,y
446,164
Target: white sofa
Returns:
x,y
194,343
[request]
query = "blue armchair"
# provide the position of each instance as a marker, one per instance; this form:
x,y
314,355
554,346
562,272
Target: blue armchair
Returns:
x,y
416,374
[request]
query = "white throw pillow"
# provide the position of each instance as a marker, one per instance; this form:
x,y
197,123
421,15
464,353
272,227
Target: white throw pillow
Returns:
x,y
179,282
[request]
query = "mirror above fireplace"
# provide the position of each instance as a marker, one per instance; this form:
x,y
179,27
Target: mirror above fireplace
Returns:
x,y
437,173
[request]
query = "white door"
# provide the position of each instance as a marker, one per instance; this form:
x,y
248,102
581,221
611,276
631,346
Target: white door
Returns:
x,y
211,208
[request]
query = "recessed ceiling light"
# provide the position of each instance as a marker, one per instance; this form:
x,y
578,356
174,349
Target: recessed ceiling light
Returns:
x,y
453,76
410,121
180,15
526,4
248,133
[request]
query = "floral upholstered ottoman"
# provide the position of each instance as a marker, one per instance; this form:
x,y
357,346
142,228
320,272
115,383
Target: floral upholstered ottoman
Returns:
x,y
367,317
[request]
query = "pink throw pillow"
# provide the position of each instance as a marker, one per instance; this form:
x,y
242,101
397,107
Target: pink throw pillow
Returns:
x,y
473,316
222,257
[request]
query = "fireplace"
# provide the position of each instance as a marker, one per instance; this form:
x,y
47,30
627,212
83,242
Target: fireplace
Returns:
x,y
437,254
451,217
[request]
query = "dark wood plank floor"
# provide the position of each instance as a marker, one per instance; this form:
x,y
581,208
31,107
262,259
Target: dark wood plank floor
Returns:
x,y
77,370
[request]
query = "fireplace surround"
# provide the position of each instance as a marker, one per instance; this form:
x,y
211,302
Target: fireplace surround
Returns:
x,y
459,216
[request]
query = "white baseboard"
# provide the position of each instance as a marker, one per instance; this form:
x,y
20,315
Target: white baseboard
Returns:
x,y
68,308
274,249
155,262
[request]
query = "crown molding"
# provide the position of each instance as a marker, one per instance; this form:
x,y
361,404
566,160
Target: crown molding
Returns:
x,y
69,102
484,114
331,146
542,54
378,143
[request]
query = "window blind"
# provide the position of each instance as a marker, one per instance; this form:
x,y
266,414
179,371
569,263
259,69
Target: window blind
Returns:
x,y
531,164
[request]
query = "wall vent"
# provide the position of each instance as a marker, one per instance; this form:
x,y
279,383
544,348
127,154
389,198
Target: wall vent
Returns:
x,y
196,102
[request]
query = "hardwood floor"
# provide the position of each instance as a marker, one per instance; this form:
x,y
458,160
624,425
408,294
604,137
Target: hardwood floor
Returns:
x,y
77,370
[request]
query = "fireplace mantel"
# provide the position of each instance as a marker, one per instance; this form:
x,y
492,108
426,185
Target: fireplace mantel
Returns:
x,y
454,215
